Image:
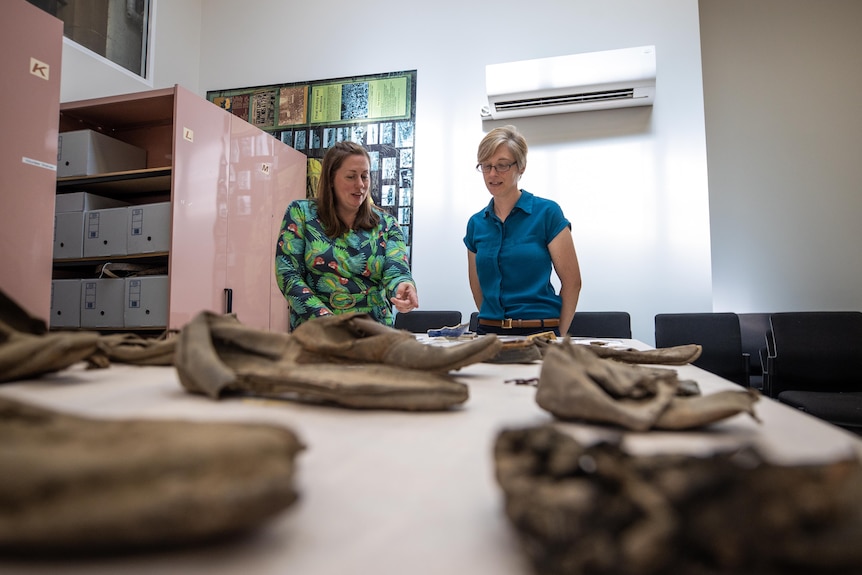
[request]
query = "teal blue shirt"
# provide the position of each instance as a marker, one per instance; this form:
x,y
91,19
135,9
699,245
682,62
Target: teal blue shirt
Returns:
x,y
513,261
358,271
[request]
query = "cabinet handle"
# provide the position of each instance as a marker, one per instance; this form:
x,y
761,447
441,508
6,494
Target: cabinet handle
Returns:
x,y
228,300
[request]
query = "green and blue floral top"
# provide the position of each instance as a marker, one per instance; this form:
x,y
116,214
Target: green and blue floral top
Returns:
x,y
356,272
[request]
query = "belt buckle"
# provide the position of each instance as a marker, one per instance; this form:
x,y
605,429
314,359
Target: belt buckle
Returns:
x,y
506,323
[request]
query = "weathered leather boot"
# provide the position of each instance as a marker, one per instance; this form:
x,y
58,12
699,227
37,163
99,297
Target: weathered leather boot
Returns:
x,y
26,355
358,338
527,350
217,355
676,355
595,509
133,349
77,485
574,383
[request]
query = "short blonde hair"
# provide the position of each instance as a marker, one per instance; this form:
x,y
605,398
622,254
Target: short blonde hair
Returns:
x,y
508,135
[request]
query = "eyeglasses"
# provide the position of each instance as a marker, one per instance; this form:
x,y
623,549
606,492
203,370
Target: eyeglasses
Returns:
x,y
501,168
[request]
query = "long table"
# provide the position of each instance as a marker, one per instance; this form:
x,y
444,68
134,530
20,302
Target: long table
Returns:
x,y
390,492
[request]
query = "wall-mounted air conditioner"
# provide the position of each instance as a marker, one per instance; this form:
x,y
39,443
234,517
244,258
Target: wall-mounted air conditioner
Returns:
x,y
575,83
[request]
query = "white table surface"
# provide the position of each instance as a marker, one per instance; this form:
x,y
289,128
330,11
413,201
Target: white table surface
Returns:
x,y
388,492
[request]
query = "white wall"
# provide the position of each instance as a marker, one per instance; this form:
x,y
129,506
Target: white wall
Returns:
x,y
174,57
633,181
780,77
784,131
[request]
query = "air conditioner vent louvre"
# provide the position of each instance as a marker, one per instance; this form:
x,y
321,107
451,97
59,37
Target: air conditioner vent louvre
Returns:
x,y
565,100
622,78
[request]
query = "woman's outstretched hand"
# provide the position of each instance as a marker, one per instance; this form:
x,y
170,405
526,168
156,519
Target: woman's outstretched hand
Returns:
x,y
406,299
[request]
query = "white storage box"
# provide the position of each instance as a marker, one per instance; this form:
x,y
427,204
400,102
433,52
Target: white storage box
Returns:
x,y
84,201
68,235
149,228
65,303
102,302
85,152
146,301
105,232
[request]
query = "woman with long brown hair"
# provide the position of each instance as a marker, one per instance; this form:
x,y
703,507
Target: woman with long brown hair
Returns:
x,y
338,253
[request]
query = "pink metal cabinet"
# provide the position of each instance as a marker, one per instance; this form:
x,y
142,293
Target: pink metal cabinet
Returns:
x,y
199,196
290,182
265,175
32,46
229,185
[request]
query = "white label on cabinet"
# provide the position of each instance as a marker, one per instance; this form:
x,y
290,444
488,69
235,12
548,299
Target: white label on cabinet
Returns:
x,y
40,69
188,134
264,168
39,164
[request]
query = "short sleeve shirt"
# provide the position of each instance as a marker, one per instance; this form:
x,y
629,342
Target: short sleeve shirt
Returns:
x,y
513,262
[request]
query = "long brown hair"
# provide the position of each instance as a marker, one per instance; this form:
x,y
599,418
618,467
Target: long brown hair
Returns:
x,y
366,217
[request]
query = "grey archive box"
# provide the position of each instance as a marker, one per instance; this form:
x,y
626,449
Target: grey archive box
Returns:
x,y
105,232
84,202
68,235
65,303
149,228
86,152
102,302
146,301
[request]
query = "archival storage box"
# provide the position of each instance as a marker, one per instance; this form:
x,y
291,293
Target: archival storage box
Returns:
x,y
86,152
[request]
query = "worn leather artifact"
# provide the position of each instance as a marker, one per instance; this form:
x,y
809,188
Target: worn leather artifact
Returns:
x,y
28,349
527,350
357,338
675,355
217,355
25,355
77,485
576,384
133,349
597,510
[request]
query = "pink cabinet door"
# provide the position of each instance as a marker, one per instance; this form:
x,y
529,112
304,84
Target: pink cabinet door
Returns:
x,y
32,43
265,175
250,208
199,198
290,183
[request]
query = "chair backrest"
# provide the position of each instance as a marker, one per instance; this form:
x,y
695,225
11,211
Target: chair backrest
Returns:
x,y
601,324
420,321
753,328
474,321
717,332
816,351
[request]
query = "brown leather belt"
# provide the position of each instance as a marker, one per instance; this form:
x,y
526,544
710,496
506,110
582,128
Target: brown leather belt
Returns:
x,y
510,323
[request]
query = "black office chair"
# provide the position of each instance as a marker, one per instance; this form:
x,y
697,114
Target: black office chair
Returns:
x,y
420,321
753,328
601,324
719,335
474,321
814,362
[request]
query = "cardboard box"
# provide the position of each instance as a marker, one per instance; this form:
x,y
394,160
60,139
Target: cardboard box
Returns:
x,y
146,301
105,232
85,152
84,201
68,235
149,228
65,303
102,302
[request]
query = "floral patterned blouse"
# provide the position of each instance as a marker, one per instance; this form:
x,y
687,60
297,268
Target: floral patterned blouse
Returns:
x,y
358,271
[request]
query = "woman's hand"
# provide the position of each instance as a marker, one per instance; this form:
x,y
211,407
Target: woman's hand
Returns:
x,y
406,299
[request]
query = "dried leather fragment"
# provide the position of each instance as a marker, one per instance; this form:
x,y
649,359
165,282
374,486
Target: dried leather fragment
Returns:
x,y
576,384
78,485
217,355
597,510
